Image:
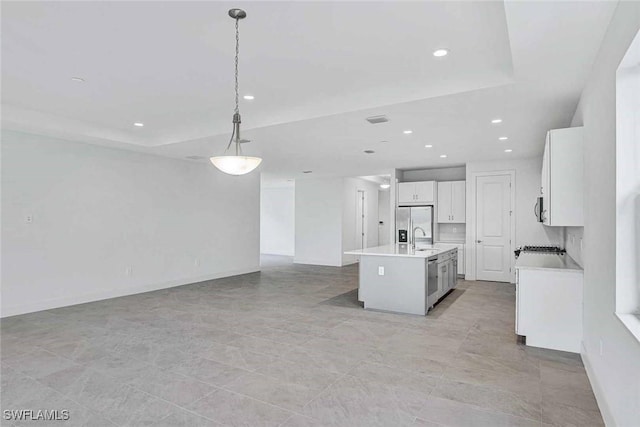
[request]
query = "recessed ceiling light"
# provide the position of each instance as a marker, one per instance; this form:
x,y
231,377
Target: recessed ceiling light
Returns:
x,y
77,79
369,151
508,150
494,121
503,138
428,146
307,171
440,52
249,97
444,156
407,132
138,124
385,186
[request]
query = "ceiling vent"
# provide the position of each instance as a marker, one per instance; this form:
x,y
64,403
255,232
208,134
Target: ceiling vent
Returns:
x,y
377,119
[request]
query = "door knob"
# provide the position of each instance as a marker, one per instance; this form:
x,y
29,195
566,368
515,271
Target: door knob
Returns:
x,y
479,241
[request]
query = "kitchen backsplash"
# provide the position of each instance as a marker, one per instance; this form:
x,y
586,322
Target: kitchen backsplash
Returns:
x,y
455,232
573,243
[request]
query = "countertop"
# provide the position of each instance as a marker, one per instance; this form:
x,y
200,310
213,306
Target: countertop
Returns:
x,y
537,261
402,250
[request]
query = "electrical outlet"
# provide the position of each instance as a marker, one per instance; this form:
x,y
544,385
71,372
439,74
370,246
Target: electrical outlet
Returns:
x,y
380,270
455,230
28,219
196,262
128,271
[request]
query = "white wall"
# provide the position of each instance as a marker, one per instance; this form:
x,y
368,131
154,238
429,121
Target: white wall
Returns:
x,y
325,217
277,221
436,174
349,235
614,373
318,219
528,231
98,212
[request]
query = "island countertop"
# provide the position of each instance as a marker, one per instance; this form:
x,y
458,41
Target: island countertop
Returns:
x,y
402,250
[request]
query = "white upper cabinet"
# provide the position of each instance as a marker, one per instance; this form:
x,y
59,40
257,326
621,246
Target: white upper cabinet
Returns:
x,y
406,192
451,201
416,193
562,178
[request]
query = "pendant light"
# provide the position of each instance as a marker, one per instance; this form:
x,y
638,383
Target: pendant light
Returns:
x,y
236,164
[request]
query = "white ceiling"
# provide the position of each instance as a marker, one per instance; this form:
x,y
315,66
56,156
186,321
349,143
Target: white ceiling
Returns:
x,y
317,70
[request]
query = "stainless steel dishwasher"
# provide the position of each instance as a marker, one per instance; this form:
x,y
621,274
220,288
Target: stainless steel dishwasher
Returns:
x,y
432,282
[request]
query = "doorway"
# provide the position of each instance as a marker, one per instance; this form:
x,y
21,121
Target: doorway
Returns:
x,y
361,219
494,226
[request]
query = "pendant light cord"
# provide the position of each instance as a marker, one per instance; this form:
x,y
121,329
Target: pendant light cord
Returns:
x,y
237,109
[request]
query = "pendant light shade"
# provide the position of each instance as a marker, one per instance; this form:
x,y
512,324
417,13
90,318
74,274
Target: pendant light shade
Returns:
x,y
236,165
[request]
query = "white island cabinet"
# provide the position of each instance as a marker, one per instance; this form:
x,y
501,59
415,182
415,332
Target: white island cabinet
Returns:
x,y
401,279
549,301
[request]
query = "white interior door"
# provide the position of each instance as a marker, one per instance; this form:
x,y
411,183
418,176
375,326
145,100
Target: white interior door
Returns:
x,y
493,228
361,220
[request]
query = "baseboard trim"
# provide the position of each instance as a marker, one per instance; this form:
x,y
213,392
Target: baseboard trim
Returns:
x,y
115,293
278,254
607,416
315,262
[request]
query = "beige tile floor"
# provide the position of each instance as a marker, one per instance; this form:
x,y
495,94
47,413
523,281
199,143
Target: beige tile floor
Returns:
x,y
289,347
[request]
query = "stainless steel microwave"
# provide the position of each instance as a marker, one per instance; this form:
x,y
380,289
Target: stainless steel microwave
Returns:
x,y
538,209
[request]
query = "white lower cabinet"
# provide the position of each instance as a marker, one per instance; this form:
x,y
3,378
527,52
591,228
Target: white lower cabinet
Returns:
x,y
460,247
549,308
447,275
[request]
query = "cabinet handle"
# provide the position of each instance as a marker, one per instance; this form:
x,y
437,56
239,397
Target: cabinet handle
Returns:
x,y
479,241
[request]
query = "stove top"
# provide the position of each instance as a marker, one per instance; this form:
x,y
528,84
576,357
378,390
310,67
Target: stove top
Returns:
x,y
540,250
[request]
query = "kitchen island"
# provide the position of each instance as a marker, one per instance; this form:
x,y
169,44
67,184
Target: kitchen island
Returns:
x,y
403,279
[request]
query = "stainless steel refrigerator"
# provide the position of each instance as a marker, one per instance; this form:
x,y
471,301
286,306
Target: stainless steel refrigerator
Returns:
x,y
414,223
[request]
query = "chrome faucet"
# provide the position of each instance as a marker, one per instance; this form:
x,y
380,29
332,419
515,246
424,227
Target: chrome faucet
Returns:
x,y
413,235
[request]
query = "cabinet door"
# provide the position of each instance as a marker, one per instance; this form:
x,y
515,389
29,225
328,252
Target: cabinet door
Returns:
x,y
544,185
458,201
442,279
453,275
444,202
406,192
461,260
425,191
